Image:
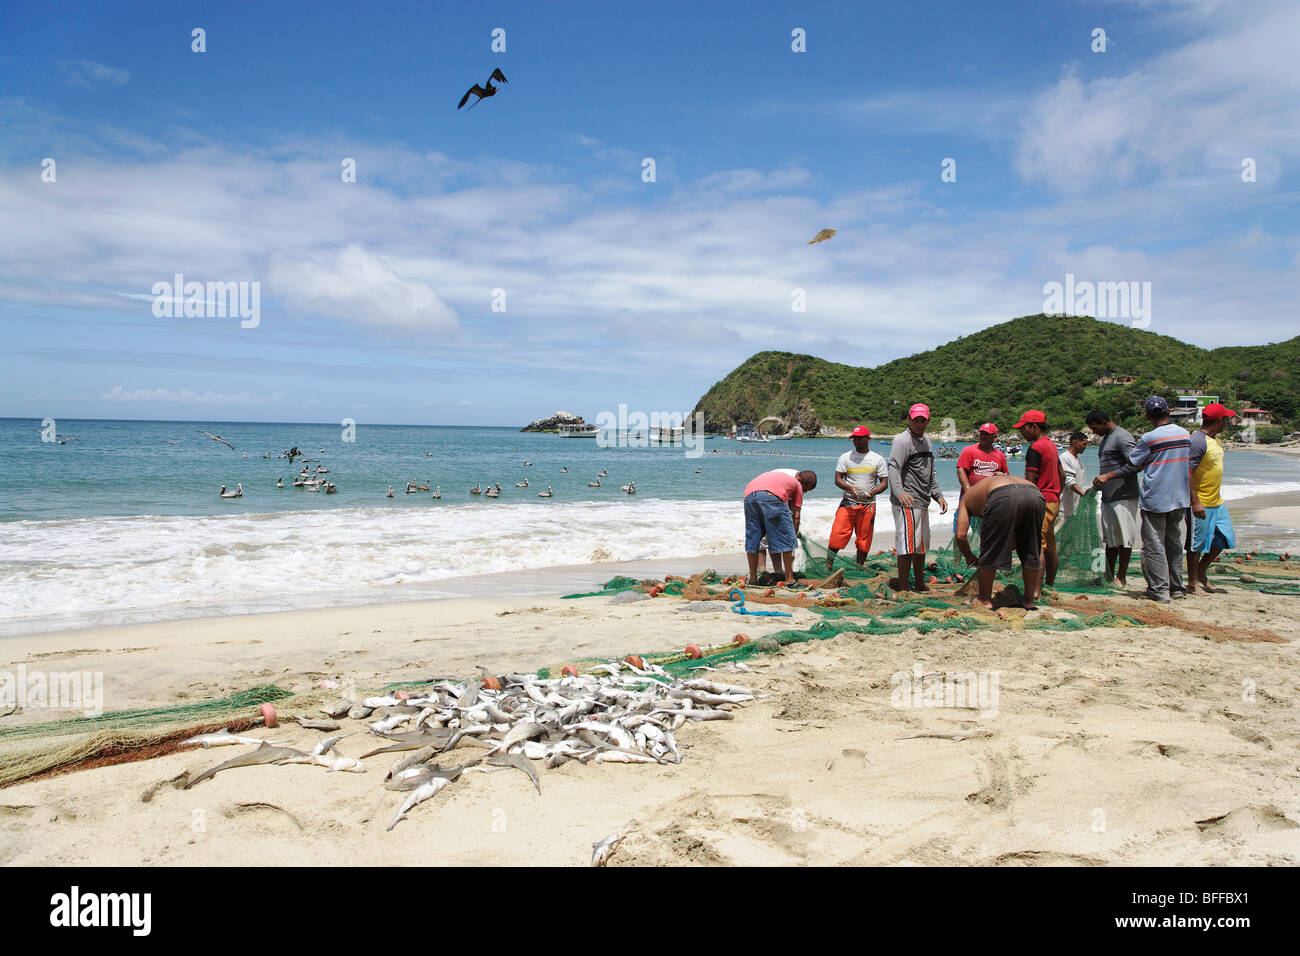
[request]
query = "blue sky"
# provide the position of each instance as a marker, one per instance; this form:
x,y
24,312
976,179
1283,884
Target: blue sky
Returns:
x,y
376,296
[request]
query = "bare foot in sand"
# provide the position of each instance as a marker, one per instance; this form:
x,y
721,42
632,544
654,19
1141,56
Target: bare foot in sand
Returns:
x,y
1121,583
981,602
1029,605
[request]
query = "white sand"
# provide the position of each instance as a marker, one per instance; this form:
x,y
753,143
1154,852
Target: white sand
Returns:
x,y
1108,747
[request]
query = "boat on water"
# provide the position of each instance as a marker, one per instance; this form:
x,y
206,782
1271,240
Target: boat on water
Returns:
x,y
579,431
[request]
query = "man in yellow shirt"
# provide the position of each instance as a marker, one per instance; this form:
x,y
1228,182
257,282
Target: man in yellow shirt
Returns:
x,y
1209,528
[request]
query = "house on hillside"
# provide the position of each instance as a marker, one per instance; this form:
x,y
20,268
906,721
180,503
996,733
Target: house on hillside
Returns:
x,y
1115,380
1259,416
1190,402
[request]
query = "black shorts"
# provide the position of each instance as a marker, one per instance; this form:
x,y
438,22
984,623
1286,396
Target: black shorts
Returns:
x,y
1013,518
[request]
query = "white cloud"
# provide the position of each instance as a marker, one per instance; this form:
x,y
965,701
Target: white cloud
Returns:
x,y
92,75
359,287
184,396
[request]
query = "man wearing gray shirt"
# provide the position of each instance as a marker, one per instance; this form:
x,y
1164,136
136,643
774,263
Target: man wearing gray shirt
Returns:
x,y
1120,519
912,486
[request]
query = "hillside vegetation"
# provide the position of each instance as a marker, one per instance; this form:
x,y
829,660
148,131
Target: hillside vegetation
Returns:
x,y
1046,362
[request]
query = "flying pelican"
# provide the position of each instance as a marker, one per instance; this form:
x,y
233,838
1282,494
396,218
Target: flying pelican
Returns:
x,y
522,484
279,483
437,492
217,438
594,484
238,493
545,494
481,92
822,236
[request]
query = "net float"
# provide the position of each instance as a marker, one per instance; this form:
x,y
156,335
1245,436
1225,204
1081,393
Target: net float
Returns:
x,y
491,683
741,639
568,670
693,652
932,580
635,661
770,592
402,695
268,715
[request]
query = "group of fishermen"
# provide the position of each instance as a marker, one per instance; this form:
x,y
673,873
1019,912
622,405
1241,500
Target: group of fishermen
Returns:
x,y
1176,509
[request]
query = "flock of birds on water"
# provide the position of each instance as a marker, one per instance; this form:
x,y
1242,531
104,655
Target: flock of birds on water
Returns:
x,y
314,482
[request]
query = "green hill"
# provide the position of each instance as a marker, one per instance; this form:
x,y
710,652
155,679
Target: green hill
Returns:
x,y
1046,362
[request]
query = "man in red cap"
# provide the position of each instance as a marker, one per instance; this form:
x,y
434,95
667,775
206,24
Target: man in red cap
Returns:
x,y
981,460
1209,526
1043,468
861,474
912,486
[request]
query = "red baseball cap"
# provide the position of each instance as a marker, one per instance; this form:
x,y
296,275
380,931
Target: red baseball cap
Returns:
x,y
989,427
919,410
862,431
1033,416
1215,410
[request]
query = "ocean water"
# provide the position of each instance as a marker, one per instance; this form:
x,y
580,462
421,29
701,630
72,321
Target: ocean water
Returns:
x,y
127,517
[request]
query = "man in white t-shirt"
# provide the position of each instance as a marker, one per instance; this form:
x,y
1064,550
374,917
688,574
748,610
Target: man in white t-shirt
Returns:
x,y
1075,471
861,474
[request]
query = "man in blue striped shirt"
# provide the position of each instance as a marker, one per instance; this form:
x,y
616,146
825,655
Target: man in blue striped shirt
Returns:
x,y
1162,455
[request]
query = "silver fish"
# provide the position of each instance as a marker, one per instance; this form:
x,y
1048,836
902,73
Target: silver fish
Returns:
x,y
422,793
327,744
519,763
601,852
318,724
263,754
360,712
337,709
224,737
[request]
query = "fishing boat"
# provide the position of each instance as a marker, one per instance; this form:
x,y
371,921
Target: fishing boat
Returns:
x,y
579,431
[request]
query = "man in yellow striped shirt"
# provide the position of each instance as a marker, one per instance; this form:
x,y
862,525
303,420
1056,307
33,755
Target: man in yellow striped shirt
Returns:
x,y
1209,526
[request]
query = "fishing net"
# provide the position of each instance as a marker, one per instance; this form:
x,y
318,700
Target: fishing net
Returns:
x,y
1078,547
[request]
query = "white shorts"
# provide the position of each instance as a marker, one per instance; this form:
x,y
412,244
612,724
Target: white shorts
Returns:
x,y
1121,525
911,529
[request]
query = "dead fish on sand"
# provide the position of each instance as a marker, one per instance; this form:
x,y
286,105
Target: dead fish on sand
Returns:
x,y
337,709
519,762
263,754
332,764
955,735
327,744
601,852
224,737
421,793
318,724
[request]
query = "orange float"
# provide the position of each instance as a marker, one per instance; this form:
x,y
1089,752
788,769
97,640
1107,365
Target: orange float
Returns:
x,y
635,661
740,640
402,695
693,652
568,670
268,715
491,683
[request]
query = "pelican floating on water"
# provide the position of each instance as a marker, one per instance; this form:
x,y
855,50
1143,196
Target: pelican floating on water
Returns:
x,y
545,494
594,484
629,488
237,493
522,484
279,482
390,492
564,470
437,492
528,464
604,473
494,492
476,490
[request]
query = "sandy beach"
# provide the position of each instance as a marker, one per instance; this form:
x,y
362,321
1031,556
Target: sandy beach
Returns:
x,y
1112,746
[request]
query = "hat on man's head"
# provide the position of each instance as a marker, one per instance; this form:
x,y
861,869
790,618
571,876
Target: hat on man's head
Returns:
x,y
989,428
1155,405
919,410
1031,417
1215,410
862,431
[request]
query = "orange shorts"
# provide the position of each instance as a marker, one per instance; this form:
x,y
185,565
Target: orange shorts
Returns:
x,y
1049,526
853,520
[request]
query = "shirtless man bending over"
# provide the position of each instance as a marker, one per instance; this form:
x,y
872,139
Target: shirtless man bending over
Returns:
x,y
1011,512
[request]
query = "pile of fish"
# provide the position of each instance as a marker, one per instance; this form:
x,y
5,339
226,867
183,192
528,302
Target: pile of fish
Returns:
x,y
617,712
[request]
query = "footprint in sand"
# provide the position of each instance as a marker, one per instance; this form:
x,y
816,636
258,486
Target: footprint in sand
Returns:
x,y
1246,821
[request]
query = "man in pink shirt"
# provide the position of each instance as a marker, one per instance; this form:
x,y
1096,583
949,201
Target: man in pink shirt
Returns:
x,y
773,501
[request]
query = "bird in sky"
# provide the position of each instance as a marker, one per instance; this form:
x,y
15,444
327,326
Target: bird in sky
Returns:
x,y
217,438
483,92
822,236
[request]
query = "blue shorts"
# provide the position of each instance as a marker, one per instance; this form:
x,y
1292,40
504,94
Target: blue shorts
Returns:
x,y
1213,531
766,514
